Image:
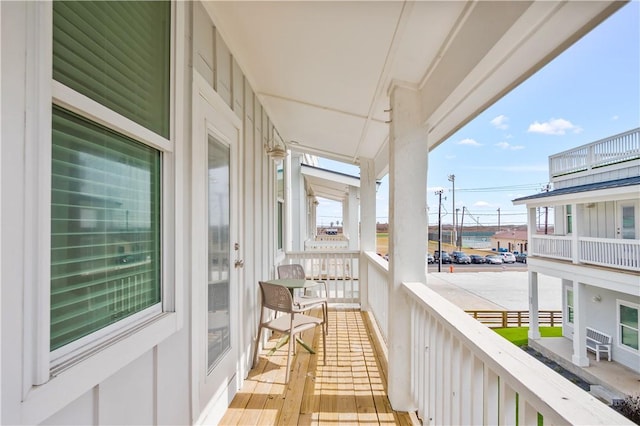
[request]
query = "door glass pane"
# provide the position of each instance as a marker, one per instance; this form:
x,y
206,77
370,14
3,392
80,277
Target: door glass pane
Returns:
x,y
218,324
628,223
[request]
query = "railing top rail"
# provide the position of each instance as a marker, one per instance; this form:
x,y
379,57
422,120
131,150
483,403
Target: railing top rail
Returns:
x,y
546,390
615,149
598,142
316,252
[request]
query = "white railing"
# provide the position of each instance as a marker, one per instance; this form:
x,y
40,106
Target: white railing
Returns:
x,y
337,244
612,150
378,290
464,373
338,268
556,246
622,254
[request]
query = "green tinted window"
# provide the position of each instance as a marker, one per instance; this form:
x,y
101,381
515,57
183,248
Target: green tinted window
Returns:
x,y
116,53
105,227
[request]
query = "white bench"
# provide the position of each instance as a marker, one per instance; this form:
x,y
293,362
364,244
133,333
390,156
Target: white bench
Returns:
x,y
597,342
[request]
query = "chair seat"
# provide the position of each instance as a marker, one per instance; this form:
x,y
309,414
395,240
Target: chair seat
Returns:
x,y
308,302
300,323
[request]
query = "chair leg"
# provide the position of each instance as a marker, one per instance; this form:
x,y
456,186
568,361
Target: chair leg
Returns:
x,y
255,350
324,349
292,345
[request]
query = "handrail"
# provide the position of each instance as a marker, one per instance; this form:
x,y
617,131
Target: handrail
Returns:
x,y
467,374
503,319
338,268
612,150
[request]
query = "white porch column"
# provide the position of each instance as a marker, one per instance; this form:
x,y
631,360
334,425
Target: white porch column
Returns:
x,y
534,322
579,357
367,223
352,217
297,212
575,247
408,153
345,217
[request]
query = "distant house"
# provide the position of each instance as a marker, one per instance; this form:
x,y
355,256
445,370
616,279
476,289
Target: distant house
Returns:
x,y
595,246
513,241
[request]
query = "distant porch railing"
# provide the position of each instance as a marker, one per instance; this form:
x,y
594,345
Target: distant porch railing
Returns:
x,y
609,252
622,254
338,268
555,246
503,319
616,149
464,373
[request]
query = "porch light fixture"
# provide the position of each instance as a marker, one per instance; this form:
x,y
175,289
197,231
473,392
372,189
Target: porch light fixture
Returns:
x,y
276,149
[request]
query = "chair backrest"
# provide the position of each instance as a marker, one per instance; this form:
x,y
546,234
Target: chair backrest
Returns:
x,y
294,271
276,297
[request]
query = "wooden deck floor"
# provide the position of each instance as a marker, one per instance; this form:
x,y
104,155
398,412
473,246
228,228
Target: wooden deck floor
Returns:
x,y
349,390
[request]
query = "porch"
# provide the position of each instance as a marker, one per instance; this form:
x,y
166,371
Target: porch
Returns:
x,y
461,371
609,374
350,389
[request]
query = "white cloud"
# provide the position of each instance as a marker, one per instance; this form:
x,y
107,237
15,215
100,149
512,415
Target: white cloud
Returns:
x,y
506,145
555,126
615,117
500,122
469,142
449,157
481,204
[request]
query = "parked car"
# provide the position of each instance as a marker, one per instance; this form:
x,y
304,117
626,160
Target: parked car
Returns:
x,y
508,257
521,257
445,256
476,258
430,258
460,257
493,259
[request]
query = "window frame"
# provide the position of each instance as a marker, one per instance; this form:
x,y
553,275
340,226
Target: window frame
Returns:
x,y
619,325
138,333
570,308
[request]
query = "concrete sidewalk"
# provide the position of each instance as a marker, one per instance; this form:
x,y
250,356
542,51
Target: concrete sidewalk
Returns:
x,y
508,290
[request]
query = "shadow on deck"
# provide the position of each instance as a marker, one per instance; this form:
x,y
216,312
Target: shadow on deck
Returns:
x,y
350,389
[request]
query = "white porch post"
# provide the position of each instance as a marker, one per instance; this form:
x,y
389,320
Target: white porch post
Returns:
x,y
367,223
534,322
579,357
575,225
297,211
352,217
408,153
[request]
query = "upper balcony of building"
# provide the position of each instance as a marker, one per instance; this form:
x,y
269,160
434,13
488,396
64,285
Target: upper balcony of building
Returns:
x,y
612,158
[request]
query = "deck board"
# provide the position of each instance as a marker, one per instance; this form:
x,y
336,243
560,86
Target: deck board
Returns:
x,y
349,389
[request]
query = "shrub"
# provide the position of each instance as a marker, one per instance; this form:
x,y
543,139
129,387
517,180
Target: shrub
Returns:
x,y
629,407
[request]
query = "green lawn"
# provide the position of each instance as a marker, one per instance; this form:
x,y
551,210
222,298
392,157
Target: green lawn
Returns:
x,y
518,335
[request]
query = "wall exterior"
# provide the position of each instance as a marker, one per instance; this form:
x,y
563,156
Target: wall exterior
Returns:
x,y
148,375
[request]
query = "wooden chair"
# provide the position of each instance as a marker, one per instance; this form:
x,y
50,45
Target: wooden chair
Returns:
x,y
308,300
278,298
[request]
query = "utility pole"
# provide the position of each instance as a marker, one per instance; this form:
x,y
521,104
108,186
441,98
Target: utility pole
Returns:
x,y
498,219
460,233
439,194
546,212
452,179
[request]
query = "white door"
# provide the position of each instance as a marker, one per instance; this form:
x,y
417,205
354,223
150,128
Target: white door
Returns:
x,y
627,221
215,250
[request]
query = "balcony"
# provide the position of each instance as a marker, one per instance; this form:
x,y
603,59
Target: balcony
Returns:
x,y
617,149
607,252
462,372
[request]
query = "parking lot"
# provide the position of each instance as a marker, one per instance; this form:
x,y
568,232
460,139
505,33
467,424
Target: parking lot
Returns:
x,y
473,267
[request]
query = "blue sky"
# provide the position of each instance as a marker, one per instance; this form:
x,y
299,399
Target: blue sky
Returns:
x,y
590,92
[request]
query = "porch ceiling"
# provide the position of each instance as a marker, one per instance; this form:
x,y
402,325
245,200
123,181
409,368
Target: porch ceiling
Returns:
x,y
323,69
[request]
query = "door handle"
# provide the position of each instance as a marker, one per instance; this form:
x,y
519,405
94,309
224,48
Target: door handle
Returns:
x,y
239,263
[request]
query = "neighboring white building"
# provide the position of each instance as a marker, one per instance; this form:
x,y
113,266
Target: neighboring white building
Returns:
x,y
144,195
595,245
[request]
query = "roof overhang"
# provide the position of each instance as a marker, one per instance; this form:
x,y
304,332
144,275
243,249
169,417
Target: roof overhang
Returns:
x,y
590,193
327,183
323,70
